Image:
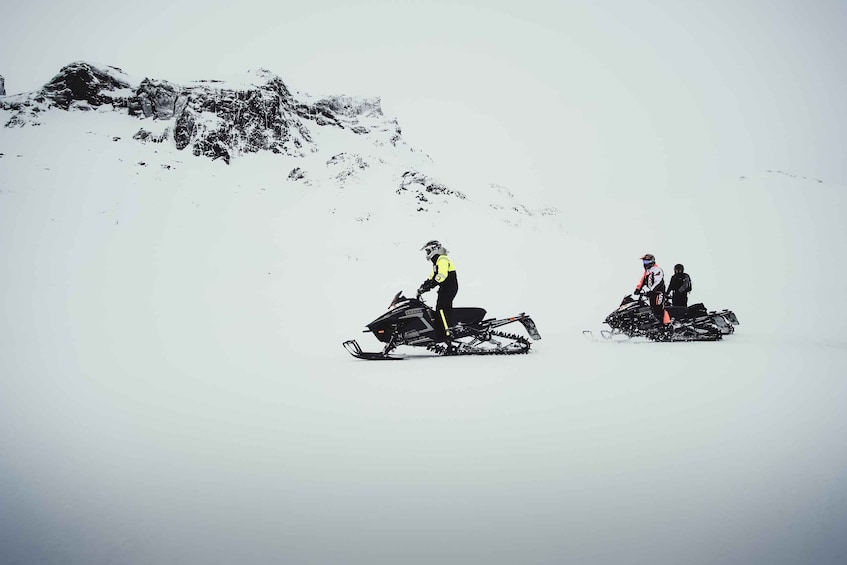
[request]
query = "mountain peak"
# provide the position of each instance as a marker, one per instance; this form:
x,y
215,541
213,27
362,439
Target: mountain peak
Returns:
x,y
82,81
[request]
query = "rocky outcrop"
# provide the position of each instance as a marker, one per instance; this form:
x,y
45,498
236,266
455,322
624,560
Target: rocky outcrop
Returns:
x,y
2,86
146,136
86,83
341,111
78,86
220,121
424,187
346,166
211,118
154,99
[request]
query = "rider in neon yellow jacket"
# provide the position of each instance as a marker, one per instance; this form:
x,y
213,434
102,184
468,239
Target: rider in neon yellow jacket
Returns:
x,y
443,276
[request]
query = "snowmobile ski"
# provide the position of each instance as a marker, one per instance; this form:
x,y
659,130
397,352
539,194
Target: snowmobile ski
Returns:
x,y
355,350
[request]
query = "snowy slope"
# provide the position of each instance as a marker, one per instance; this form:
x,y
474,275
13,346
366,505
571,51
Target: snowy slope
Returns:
x,y
174,389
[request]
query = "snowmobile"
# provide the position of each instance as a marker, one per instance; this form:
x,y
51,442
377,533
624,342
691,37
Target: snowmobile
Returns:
x,y
410,321
634,318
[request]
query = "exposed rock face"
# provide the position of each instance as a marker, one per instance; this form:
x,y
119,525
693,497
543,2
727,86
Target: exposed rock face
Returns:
x,y
347,166
212,118
154,98
220,121
2,86
83,82
422,184
146,136
423,187
338,110
78,86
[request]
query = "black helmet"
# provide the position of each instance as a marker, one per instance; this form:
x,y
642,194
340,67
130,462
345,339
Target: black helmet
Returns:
x,y
648,259
679,268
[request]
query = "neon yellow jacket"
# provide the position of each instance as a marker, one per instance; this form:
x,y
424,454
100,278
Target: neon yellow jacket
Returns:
x,y
443,266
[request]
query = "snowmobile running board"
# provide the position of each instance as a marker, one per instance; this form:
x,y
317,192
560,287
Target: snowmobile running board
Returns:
x,y
355,350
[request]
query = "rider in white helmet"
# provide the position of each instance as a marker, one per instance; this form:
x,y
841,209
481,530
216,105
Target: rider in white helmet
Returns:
x,y
443,276
652,285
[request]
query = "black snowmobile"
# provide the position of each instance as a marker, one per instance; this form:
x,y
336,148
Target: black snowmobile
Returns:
x,y
409,321
635,318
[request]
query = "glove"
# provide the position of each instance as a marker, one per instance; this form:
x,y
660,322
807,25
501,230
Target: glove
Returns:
x,y
637,291
426,286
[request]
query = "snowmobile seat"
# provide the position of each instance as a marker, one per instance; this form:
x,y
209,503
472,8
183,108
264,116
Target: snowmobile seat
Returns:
x,y
677,312
466,316
697,310
683,313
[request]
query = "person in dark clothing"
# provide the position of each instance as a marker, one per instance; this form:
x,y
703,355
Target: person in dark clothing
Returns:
x,y
443,276
679,286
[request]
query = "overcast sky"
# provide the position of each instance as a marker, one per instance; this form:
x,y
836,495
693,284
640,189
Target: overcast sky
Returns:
x,y
657,94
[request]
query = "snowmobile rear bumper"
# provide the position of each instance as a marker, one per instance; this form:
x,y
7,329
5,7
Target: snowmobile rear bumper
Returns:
x,y
525,321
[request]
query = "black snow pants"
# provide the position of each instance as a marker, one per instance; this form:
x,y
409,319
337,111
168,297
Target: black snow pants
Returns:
x,y
444,305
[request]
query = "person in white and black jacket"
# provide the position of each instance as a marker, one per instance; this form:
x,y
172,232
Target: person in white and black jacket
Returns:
x,y
652,285
679,286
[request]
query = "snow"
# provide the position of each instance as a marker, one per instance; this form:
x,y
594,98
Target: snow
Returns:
x,y
174,388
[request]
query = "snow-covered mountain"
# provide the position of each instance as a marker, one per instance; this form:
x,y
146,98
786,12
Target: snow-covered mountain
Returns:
x,y
180,266
256,112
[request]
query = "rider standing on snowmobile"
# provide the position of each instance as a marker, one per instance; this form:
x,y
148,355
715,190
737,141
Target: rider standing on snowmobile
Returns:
x,y
652,284
679,286
443,276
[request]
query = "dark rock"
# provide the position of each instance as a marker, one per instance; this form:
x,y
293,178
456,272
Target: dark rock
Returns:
x,y
221,122
212,118
154,98
341,111
184,127
349,164
2,86
81,81
144,135
420,183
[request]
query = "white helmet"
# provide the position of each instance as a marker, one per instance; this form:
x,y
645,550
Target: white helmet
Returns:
x,y
433,248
